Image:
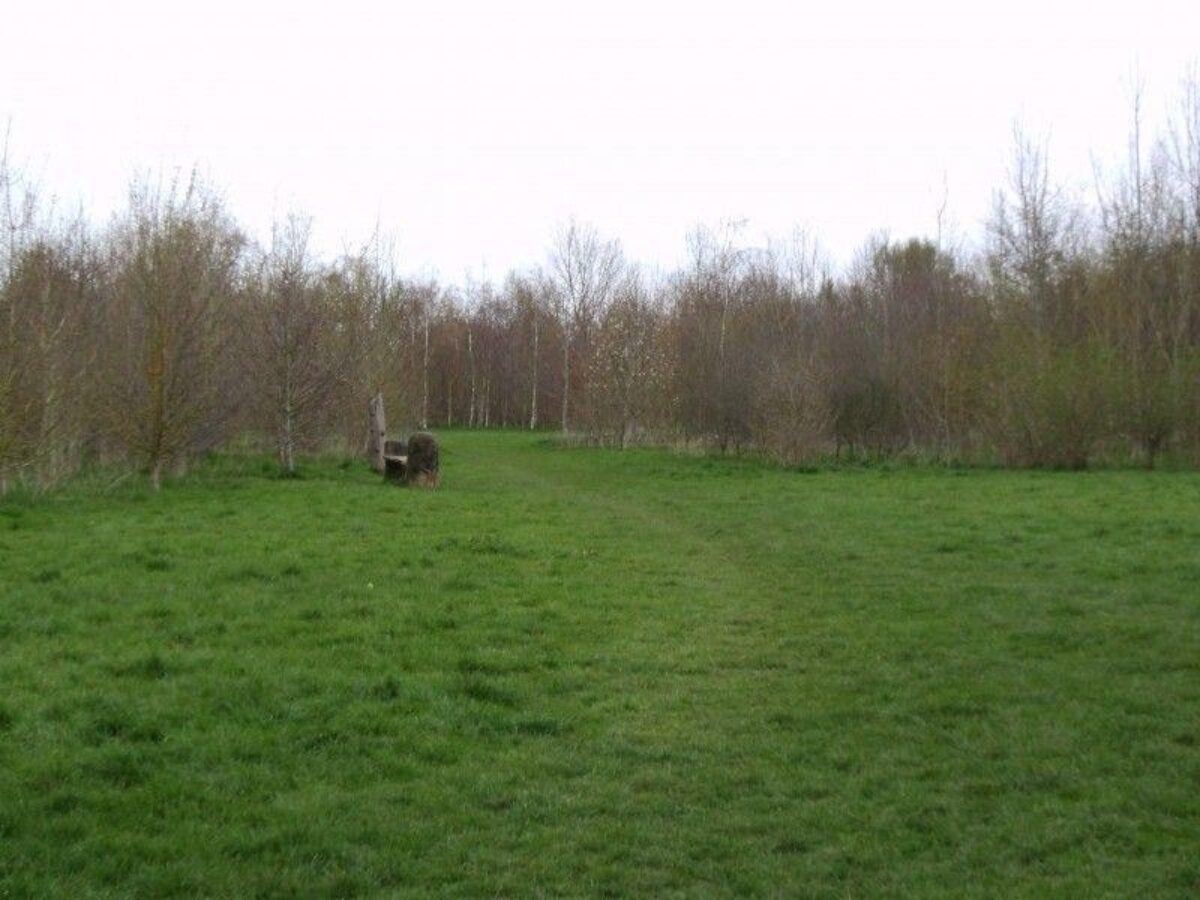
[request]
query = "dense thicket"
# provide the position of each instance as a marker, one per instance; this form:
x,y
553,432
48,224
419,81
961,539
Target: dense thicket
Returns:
x,y
1070,335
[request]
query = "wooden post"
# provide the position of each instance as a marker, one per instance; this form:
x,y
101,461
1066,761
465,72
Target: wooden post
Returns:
x,y
375,435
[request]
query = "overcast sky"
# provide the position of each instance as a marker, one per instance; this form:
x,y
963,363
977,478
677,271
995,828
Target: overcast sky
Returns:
x,y
468,130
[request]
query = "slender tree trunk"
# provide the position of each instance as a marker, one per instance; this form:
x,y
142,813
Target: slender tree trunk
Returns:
x,y
289,446
471,361
425,379
566,397
48,439
156,372
52,466
533,391
722,399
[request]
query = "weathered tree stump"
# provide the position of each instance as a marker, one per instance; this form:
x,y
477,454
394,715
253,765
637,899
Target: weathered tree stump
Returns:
x,y
376,429
421,464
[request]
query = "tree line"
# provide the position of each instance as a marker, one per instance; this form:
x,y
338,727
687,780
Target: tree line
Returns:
x,y
1069,335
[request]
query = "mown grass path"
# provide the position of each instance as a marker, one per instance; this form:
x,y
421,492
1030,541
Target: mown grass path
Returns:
x,y
584,672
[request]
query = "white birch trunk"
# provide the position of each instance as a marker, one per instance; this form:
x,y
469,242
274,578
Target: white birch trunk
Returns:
x,y
471,360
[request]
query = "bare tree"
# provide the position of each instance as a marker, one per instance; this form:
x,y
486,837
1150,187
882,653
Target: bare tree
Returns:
x,y
19,203
177,259
1185,146
585,270
715,390
627,374
1031,223
288,353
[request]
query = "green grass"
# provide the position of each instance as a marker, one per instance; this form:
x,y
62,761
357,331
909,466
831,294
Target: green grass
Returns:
x,y
584,672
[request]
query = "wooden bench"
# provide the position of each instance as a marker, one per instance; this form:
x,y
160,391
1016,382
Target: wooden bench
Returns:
x,y
392,458
395,460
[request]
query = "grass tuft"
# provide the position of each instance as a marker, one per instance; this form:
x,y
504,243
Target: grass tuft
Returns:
x,y
152,668
485,691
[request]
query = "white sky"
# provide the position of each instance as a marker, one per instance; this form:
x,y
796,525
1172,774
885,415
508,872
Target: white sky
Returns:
x,y
469,130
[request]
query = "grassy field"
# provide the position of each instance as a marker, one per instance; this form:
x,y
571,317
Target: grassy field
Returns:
x,y
584,672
